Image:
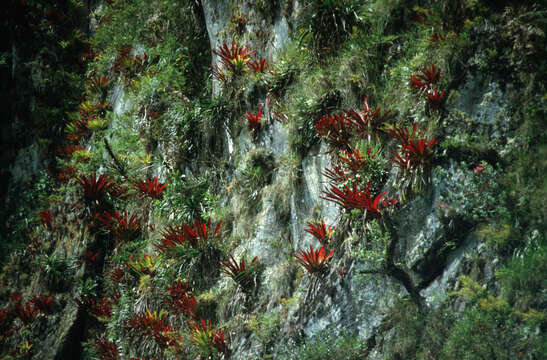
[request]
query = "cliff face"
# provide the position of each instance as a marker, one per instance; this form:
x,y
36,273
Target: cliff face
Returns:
x,y
428,193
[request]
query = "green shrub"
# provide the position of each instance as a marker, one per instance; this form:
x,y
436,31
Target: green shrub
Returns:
x,y
326,345
523,279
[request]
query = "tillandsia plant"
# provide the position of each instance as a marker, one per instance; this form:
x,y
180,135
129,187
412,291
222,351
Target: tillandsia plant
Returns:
x,y
45,218
107,350
337,129
151,188
95,188
314,261
197,236
354,198
242,272
424,81
99,84
43,303
253,121
320,231
101,310
26,313
144,265
154,325
123,226
181,299
434,98
258,66
367,121
209,341
234,58
413,156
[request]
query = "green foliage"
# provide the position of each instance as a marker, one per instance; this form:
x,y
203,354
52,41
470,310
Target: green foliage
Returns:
x,y
266,327
523,278
326,346
21,219
59,271
185,199
325,24
476,195
372,247
257,173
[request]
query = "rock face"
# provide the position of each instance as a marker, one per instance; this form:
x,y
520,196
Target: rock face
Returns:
x,y
433,238
432,249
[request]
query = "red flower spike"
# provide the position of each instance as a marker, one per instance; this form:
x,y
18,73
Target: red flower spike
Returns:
x,y
43,303
434,98
314,260
320,231
95,188
240,273
258,66
151,188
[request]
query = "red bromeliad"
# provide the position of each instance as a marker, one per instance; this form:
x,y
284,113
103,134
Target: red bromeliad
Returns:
x,y
151,188
207,338
98,83
107,350
258,66
337,129
124,227
26,313
155,325
415,152
235,57
43,303
196,236
101,310
181,299
428,77
434,98
353,198
368,120
314,261
45,217
240,273
95,188
337,174
320,231
254,120
354,161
